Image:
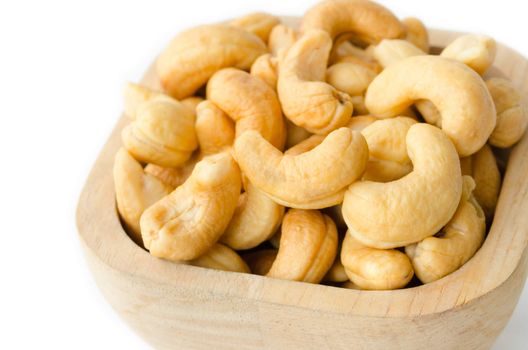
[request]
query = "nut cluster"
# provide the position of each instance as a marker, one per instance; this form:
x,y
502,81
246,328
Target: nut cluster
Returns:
x,y
341,152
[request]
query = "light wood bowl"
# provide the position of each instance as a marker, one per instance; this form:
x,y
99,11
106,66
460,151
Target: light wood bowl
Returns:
x,y
184,307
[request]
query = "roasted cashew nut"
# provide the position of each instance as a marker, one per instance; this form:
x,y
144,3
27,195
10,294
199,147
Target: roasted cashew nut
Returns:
x,y
255,220
365,20
187,223
220,257
250,102
306,99
260,261
308,247
314,179
467,112
405,211
135,191
436,257
416,33
214,129
194,55
476,51
375,269
258,23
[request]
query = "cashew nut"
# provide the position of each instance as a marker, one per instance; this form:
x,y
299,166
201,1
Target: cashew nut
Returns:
x,y
255,220
388,52
345,51
220,257
306,99
192,102
250,102
281,39
294,134
135,191
476,51
163,133
194,55
365,20
436,257
349,77
308,247
258,23
360,122
405,211
466,108
186,223
512,116
260,261
375,269
314,179
265,67
214,129
416,33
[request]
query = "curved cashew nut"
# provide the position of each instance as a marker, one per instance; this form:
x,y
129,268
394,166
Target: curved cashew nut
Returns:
x,y
388,52
476,51
186,223
308,247
250,102
260,261
173,177
220,257
135,191
281,39
306,99
365,20
295,134
397,213
467,110
375,269
416,33
314,179
349,77
436,257
483,168
163,133
512,116
258,23
255,220
214,129
194,55
265,67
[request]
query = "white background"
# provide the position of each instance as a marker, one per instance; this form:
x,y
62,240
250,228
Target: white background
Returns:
x,y
63,66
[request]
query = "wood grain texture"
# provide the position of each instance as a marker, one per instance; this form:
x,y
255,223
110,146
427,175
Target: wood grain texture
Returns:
x,y
185,307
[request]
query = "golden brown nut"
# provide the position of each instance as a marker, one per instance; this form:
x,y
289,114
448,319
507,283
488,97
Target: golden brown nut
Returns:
x,y
250,102
220,257
135,191
186,223
365,20
255,220
281,39
258,23
512,116
163,133
306,99
314,179
194,55
436,257
397,213
260,261
173,177
416,33
375,269
266,68
214,129
476,51
308,247
482,167
349,77
388,52
295,134
466,107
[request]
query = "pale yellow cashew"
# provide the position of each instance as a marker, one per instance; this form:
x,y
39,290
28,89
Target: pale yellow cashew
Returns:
x,y
214,129
363,19
476,51
173,177
308,247
260,261
258,23
250,102
349,77
194,55
306,99
163,133
189,221
512,115
436,257
295,134
281,39
220,257
467,112
375,269
135,191
482,167
405,211
416,33
255,220
388,52
266,68
311,180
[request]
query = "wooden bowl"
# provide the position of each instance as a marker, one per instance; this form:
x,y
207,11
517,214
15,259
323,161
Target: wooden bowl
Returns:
x,y
184,307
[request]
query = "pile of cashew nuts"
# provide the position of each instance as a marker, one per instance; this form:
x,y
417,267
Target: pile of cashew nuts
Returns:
x,y
341,152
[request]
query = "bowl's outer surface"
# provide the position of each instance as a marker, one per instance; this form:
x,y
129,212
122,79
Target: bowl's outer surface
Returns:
x,y
184,307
